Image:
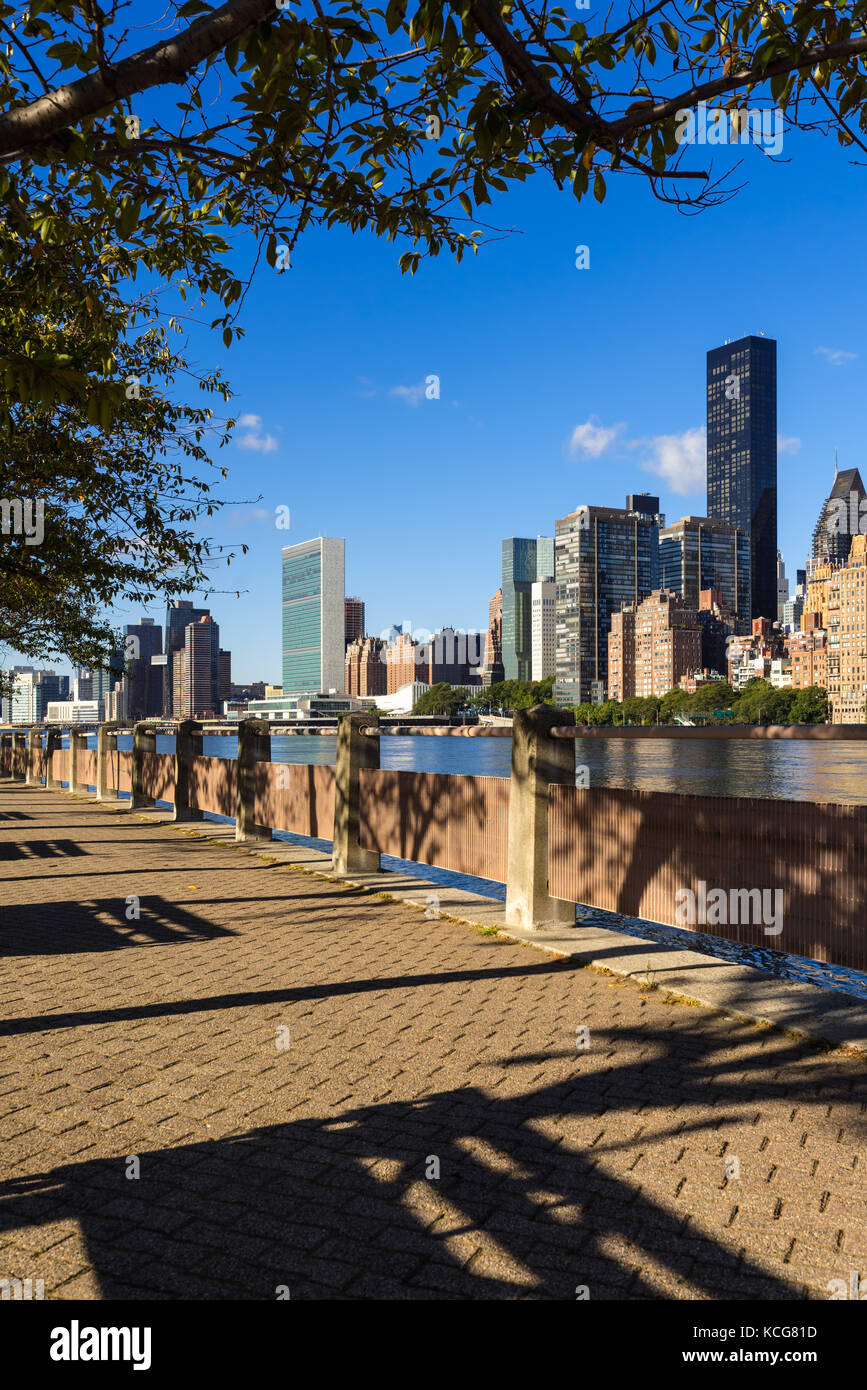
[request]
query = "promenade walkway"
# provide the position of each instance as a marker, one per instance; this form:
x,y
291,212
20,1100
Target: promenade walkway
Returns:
x,y
328,1094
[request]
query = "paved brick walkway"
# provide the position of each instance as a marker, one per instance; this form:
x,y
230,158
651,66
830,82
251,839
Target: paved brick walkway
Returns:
x,y
411,1044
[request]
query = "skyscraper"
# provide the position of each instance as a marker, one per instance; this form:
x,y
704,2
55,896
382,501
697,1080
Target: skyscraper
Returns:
x,y
354,610
525,562
314,616
365,667
492,672
742,455
699,553
144,695
543,630
840,517
201,673
605,557
179,614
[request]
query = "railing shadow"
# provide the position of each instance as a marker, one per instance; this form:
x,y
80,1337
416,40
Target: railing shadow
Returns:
x,y
100,924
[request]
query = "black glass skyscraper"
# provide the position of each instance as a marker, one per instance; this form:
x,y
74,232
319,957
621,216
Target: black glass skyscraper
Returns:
x,y
742,454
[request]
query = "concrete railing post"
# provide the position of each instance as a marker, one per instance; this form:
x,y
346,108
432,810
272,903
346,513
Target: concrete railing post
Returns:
x,y
254,746
106,744
53,744
19,745
144,740
537,760
188,745
34,741
355,750
77,746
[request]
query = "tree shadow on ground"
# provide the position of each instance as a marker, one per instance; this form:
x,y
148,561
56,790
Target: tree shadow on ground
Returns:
x,y
341,1206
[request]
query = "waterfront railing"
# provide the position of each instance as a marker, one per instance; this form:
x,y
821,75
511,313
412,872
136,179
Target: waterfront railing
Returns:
x,y
790,876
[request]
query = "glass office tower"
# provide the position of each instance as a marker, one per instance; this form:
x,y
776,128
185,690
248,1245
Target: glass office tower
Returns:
x,y
525,562
698,553
742,455
314,616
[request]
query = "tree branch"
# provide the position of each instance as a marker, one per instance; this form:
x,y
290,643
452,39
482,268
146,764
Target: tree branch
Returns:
x,y
169,61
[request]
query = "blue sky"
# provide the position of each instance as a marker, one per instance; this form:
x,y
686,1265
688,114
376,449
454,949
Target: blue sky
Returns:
x,y
559,386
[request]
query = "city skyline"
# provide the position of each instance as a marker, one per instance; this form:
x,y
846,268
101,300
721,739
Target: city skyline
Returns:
x,y
591,440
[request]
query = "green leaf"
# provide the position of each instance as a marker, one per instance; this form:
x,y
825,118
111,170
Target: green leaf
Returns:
x,y
670,34
599,188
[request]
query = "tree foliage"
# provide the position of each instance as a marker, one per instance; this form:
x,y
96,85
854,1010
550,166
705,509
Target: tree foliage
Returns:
x,y
101,508
441,699
258,120
758,703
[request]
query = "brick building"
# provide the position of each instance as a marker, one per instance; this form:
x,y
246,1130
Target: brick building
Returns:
x,y
808,653
838,596
365,667
651,645
400,663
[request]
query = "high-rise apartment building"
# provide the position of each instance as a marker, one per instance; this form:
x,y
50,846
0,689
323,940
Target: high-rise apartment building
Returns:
x,y
525,562
401,667
543,635
808,653
201,673
699,553
838,595
605,557
354,619
179,614
652,645
742,454
314,616
450,656
841,518
492,671
365,667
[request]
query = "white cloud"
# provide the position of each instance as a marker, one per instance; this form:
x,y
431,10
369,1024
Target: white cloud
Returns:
x,y
412,395
254,438
680,459
836,356
788,444
592,439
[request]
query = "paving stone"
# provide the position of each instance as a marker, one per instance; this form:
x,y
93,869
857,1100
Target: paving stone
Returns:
x,y
409,1040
